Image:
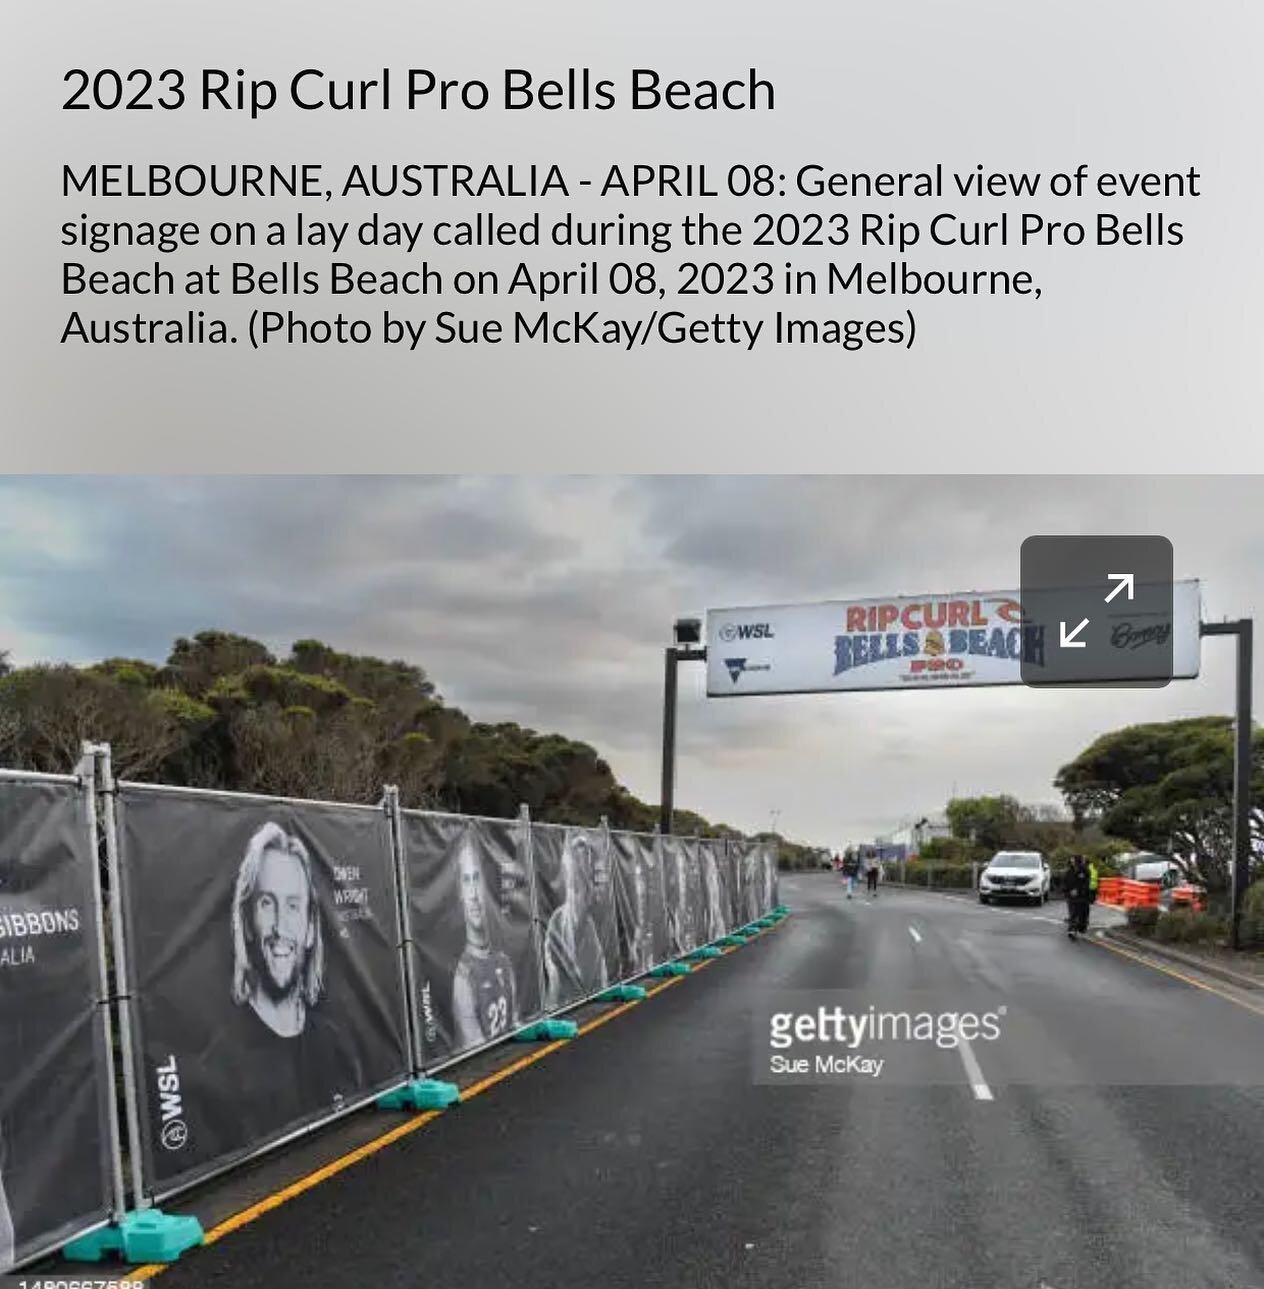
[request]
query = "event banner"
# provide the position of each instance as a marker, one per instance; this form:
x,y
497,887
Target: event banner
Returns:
x,y
263,950
476,964
575,912
638,890
735,852
918,642
684,893
54,1083
765,879
759,880
717,908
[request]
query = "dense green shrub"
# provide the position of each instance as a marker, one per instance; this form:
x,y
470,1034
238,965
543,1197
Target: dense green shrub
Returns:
x,y
920,872
1143,920
1252,926
1185,926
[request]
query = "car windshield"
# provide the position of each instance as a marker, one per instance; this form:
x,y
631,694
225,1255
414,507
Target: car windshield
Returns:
x,y
1012,860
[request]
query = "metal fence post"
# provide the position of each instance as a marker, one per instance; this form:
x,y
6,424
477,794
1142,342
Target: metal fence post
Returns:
x,y
87,772
608,839
524,818
122,977
403,928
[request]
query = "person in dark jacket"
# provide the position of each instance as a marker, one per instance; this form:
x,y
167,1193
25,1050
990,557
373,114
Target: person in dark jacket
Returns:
x,y
1079,894
851,871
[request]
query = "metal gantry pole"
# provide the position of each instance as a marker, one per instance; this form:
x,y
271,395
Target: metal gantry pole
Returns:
x,y
669,742
673,655
1244,630
1242,780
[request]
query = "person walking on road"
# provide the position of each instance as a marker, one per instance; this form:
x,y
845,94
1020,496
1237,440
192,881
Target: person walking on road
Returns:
x,y
1079,894
871,875
851,871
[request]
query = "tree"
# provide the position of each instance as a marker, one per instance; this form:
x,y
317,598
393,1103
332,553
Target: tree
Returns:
x,y
990,822
47,712
1169,788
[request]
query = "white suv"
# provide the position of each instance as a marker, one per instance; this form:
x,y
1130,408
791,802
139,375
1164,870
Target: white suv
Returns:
x,y
1015,875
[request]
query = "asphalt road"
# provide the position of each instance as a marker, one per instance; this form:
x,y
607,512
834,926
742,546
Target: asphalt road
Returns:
x,y
1117,1143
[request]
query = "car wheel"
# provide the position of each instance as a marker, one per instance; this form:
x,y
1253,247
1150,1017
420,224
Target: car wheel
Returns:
x,y
983,899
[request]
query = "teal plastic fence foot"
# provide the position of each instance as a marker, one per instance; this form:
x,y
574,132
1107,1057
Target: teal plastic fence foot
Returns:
x,y
670,969
782,910
547,1030
94,1246
145,1235
733,941
421,1094
766,922
705,952
750,931
622,994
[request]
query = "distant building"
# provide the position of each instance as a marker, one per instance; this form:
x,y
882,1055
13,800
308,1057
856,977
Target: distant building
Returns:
x,y
909,838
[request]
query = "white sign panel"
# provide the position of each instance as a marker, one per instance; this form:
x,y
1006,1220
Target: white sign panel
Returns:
x,y
918,642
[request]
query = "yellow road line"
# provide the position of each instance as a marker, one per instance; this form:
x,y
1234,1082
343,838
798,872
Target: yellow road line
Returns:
x,y
1177,975
275,1200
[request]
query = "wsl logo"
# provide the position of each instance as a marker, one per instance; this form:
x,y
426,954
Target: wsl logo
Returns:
x,y
174,1133
731,631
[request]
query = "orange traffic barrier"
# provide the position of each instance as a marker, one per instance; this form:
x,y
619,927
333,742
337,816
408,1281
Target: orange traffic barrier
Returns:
x,y
1110,890
1139,895
1189,896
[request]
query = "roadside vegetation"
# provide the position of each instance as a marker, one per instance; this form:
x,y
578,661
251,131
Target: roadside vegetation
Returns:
x,y
224,712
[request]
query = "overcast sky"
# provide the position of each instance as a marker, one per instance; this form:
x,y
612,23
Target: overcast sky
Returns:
x,y
547,601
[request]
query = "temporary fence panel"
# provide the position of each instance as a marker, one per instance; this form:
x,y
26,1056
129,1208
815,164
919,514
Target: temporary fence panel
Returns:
x,y
639,901
715,921
575,911
683,884
476,957
749,869
605,906
58,1146
731,870
771,898
263,956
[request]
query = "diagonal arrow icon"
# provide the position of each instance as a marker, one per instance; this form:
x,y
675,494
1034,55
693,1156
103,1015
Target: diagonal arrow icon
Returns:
x,y
1124,579
1068,637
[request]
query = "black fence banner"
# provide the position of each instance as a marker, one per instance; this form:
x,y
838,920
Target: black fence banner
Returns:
x,y
262,941
743,875
639,900
55,1092
716,907
476,966
684,896
758,866
772,881
575,910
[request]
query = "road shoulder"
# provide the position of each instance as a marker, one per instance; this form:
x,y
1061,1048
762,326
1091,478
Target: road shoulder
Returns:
x,y
1190,961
